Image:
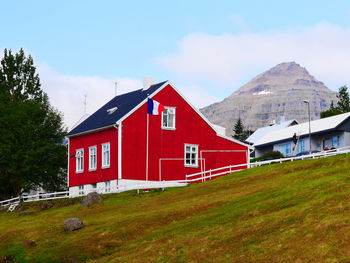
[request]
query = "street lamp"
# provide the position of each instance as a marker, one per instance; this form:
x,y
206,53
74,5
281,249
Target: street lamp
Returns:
x,y
308,110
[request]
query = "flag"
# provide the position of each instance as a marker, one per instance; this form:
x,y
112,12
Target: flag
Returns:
x,y
154,107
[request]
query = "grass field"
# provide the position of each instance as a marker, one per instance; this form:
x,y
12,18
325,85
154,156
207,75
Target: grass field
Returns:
x,y
291,212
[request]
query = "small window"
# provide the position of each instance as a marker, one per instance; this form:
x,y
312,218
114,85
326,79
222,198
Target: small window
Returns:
x,y
79,156
335,141
105,155
191,155
285,149
92,158
301,146
168,118
81,189
107,186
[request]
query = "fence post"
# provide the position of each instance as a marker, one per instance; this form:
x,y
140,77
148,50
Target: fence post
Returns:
x,y
210,174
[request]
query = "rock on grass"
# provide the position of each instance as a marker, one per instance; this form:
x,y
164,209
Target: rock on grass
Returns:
x,y
72,224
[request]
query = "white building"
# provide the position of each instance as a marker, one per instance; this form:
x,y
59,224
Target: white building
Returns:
x,y
325,133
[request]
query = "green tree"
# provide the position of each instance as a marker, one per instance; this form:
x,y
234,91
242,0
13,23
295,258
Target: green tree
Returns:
x,y
239,132
343,99
343,104
32,153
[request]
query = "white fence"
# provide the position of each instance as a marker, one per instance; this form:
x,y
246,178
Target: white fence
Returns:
x,y
323,154
100,190
199,177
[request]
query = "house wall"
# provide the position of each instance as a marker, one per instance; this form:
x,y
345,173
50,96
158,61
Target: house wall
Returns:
x,y
100,174
170,144
346,139
262,150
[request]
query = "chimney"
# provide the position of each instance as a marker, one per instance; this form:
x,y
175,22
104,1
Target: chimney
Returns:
x,y
148,82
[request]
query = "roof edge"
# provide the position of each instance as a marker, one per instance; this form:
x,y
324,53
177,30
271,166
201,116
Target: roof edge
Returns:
x,y
206,120
141,103
91,131
289,139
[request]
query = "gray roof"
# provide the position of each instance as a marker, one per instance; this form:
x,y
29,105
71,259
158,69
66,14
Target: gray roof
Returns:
x,y
317,126
261,132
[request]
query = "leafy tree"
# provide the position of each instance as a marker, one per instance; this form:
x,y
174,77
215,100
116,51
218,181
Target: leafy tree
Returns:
x,y
32,153
343,104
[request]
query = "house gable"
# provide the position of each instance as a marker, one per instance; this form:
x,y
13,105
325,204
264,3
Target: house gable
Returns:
x,y
113,111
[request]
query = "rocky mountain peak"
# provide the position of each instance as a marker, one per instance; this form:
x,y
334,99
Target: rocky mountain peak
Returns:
x,y
279,91
290,74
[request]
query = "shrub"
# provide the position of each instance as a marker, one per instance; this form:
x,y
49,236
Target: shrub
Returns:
x,y
268,156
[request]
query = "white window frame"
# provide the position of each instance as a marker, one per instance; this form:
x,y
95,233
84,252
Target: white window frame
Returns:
x,y
192,146
92,158
81,189
167,127
107,186
106,163
79,163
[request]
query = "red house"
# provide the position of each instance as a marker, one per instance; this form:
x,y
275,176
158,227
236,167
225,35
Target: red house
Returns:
x,y
121,144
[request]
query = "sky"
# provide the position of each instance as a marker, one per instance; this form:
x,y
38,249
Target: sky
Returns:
x,y
207,49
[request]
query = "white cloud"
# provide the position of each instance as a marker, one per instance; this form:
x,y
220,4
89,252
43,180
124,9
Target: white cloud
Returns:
x,y
66,93
323,49
197,96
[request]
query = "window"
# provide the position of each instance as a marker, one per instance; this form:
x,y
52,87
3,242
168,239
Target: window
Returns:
x,y
92,158
327,143
168,118
285,149
81,189
191,155
335,141
301,146
79,156
107,186
105,155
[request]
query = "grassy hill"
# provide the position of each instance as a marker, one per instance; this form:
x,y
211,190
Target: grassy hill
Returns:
x,y
291,212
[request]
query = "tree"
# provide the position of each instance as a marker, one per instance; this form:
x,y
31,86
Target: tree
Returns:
x,y
343,104
32,153
343,99
239,132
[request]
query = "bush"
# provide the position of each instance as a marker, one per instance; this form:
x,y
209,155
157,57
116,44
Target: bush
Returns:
x,y
268,156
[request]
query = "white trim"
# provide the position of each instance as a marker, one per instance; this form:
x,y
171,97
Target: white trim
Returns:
x,y
195,109
120,151
197,155
93,168
90,131
76,161
147,146
206,120
166,127
142,102
68,161
109,153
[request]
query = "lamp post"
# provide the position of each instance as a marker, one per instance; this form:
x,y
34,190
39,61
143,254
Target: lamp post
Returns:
x,y
308,110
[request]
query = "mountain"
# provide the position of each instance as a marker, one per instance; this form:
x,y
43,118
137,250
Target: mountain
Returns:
x,y
280,91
